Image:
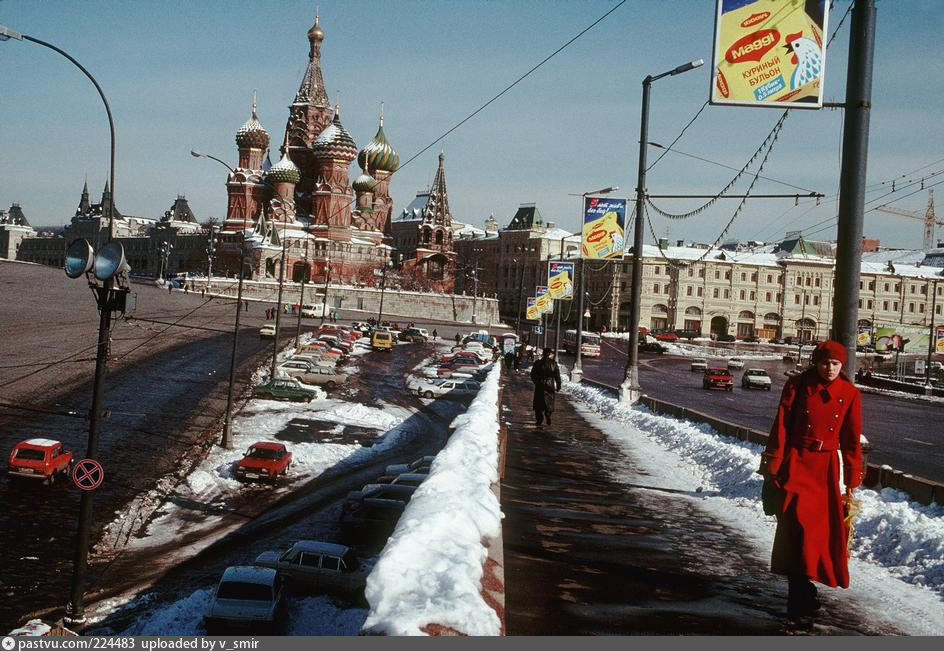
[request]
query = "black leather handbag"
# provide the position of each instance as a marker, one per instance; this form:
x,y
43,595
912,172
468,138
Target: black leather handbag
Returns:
x,y
771,495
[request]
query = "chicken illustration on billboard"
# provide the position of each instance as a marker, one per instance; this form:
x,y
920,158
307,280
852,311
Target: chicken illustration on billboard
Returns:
x,y
769,53
560,280
603,227
532,311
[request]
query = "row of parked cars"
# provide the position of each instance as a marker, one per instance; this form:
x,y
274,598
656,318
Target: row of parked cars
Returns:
x,y
455,374
254,597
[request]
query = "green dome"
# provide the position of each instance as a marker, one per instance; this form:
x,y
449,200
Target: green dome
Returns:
x,y
284,171
379,154
365,183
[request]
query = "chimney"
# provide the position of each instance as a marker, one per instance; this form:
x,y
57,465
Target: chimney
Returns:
x,y
663,243
680,243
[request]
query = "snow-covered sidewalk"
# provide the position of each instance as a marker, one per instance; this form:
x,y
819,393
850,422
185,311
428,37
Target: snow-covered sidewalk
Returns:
x,y
897,563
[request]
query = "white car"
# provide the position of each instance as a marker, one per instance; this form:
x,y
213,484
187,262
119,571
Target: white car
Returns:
x,y
699,364
267,331
735,362
318,566
449,388
755,378
250,598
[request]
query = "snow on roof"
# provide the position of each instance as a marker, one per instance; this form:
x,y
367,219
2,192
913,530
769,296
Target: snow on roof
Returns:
x,y
414,211
904,256
440,535
41,443
556,233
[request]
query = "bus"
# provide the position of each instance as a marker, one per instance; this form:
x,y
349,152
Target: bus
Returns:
x,y
589,344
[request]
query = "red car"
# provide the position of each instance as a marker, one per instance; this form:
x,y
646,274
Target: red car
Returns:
x,y
264,460
39,459
666,336
718,377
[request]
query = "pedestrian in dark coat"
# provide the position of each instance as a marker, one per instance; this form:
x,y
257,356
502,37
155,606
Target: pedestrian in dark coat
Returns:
x,y
819,414
547,382
509,361
458,338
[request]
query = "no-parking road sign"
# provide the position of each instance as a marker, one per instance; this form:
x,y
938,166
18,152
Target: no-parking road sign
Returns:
x,y
88,474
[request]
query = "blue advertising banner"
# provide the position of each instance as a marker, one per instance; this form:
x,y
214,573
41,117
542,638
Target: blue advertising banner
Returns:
x,y
604,223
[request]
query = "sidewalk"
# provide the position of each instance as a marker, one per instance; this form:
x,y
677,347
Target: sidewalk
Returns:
x,y
587,555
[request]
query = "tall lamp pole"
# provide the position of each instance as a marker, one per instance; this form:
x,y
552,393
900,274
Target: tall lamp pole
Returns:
x,y
576,372
383,286
630,389
301,299
105,294
226,441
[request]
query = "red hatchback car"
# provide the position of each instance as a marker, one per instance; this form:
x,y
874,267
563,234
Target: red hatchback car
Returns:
x,y
264,460
718,377
39,459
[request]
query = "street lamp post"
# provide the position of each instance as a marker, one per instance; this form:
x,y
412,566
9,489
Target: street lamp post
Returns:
x,y
577,372
630,389
301,299
105,294
226,441
210,253
383,286
520,296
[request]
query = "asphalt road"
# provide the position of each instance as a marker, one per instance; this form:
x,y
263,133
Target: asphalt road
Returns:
x,y
902,431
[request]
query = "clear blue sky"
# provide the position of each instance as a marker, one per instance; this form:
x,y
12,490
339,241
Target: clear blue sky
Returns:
x,y
179,76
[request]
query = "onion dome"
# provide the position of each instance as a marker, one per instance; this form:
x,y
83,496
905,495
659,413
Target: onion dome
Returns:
x,y
379,154
365,183
335,142
284,171
252,134
315,33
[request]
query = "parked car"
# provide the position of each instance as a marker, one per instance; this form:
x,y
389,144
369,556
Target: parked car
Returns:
x,y
312,310
379,491
411,335
725,338
755,378
447,388
423,463
381,340
699,364
40,459
663,335
735,362
323,377
372,523
320,567
651,347
285,389
409,479
751,339
264,460
249,598
267,331
720,378
688,334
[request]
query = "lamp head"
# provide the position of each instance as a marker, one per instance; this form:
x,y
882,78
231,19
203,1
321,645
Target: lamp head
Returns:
x,y
195,153
685,67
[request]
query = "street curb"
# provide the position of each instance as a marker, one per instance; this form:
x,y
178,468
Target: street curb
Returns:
x,y
924,491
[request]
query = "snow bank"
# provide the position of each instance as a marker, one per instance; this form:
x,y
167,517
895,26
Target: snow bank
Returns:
x,y
430,572
894,538
32,628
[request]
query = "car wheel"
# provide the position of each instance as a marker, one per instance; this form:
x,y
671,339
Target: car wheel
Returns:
x,y
51,479
330,386
730,388
428,394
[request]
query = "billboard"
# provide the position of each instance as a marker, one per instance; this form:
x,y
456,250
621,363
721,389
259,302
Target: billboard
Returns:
x,y
939,341
907,339
560,280
864,336
543,301
532,311
604,223
769,53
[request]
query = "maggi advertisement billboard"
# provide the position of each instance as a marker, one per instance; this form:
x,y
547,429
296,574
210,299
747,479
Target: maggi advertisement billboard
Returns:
x,y
532,311
543,301
560,280
769,53
604,222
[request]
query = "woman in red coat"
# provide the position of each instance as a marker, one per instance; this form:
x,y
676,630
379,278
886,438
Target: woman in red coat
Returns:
x,y
819,413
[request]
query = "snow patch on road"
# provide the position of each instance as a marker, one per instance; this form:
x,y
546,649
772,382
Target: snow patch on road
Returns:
x,y
894,538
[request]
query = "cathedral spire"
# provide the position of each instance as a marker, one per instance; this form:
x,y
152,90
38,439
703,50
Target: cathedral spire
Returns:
x,y
311,90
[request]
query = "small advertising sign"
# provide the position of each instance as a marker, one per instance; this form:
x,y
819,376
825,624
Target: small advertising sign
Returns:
x,y
604,222
939,341
532,311
543,301
560,281
509,344
864,336
769,53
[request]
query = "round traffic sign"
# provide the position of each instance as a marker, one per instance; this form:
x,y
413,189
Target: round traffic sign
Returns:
x,y
88,474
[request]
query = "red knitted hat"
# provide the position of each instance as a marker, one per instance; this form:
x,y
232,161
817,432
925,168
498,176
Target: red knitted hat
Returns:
x,y
829,350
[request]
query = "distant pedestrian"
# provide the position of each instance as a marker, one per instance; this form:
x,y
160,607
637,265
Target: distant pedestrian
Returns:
x,y
509,361
246,305
531,354
285,308
545,375
435,334
819,413
458,338
519,353
203,292
170,288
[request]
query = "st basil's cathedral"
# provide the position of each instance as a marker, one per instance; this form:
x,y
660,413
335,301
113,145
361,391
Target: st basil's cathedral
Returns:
x,y
329,228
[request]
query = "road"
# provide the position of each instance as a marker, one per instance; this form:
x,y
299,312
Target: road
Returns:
x,y
901,430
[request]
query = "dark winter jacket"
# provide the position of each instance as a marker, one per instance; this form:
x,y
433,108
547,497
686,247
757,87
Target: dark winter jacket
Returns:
x,y
545,373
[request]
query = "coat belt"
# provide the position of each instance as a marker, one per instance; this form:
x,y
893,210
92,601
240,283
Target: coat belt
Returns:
x,y
816,445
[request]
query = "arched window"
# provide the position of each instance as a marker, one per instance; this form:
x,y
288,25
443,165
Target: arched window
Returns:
x,y
439,237
692,311
660,310
746,315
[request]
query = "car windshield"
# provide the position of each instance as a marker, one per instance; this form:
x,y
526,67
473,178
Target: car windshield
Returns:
x,y
718,371
263,453
758,372
244,591
30,454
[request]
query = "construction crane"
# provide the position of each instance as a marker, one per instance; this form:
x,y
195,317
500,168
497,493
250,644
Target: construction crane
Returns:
x,y
928,217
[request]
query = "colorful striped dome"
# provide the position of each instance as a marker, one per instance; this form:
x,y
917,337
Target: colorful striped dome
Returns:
x,y
379,154
365,183
252,134
284,171
335,142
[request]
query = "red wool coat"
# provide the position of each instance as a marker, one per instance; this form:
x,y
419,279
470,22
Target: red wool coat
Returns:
x,y
814,420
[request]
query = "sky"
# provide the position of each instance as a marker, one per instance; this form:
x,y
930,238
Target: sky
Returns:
x,y
179,76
